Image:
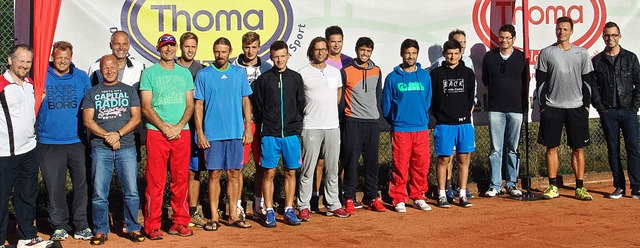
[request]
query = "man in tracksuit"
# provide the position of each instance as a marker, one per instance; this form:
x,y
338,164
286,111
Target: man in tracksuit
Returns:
x,y
362,83
278,107
454,90
406,99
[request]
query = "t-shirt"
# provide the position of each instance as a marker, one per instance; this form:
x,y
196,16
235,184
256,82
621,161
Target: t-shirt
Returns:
x,y
169,89
564,70
222,93
321,95
112,105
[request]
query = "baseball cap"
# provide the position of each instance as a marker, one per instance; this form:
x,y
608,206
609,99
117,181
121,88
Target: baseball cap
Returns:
x,y
166,39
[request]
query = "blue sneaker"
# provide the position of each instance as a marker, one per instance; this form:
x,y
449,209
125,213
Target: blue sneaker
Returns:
x,y
451,195
270,219
59,235
291,218
85,234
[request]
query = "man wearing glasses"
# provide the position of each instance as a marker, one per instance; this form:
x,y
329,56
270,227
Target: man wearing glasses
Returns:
x,y
504,74
616,96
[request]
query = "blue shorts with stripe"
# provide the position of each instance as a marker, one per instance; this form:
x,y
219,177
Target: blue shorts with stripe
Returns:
x,y
448,137
288,147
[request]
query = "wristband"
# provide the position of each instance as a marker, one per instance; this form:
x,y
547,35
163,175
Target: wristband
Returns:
x,y
118,131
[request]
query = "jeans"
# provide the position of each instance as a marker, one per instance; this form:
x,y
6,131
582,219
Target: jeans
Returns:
x,y
614,120
126,165
505,133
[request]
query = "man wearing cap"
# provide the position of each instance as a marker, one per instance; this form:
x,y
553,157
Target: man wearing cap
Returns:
x,y
166,93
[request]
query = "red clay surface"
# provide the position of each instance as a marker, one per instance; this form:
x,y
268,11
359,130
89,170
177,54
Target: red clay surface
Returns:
x,y
491,222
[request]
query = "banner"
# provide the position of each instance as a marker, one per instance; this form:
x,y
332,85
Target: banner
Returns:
x,y
89,24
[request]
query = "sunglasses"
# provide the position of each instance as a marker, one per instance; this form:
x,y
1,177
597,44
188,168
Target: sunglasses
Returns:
x,y
167,38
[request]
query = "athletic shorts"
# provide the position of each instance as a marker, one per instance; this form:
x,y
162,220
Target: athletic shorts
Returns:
x,y
575,121
273,147
196,161
449,137
224,155
253,147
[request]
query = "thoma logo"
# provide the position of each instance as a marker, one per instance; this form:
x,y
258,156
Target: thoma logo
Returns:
x,y
146,20
589,17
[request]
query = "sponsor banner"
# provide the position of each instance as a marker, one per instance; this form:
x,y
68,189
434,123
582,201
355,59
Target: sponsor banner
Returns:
x,y
89,24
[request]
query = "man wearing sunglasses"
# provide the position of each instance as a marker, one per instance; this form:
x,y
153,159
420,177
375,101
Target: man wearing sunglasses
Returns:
x,y
504,74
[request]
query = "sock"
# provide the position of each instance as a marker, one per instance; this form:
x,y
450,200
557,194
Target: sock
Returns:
x,y
287,208
579,183
442,193
239,203
192,210
447,185
258,201
463,193
553,181
269,209
315,193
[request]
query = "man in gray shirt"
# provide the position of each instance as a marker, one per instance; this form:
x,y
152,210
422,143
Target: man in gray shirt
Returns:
x,y
563,94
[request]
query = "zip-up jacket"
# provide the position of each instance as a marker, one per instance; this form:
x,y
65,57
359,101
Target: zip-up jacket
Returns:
x,y
625,72
278,103
453,92
406,99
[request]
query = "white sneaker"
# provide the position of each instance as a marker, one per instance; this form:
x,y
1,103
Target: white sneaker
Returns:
x,y
514,191
400,208
36,242
422,205
492,192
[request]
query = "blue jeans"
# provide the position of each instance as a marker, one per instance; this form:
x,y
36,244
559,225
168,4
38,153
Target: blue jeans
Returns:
x,y
614,120
126,165
505,133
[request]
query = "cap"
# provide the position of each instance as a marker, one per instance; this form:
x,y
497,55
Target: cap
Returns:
x,y
166,39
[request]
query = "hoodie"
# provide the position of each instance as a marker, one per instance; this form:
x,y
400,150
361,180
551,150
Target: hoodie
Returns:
x,y
59,118
453,94
406,99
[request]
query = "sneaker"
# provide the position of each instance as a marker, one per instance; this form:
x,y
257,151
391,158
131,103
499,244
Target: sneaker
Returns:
x,y
349,205
241,214
400,208
451,195
258,212
492,192
514,191
357,205
99,239
197,220
59,235
270,218
635,194
617,193
340,212
376,205
35,242
85,234
583,194
464,202
180,230
291,218
303,214
422,205
155,235
136,236
314,203
443,202
551,192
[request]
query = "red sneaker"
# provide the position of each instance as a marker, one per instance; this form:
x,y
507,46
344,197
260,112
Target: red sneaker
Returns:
x,y
155,235
376,205
303,215
180,230
350,206
340,212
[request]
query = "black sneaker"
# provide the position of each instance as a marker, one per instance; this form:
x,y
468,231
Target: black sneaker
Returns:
x,y
443,203
314,204
617,193
465,203
635,194
357,205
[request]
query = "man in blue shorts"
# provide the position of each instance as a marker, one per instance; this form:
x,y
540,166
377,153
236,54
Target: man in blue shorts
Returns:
x,y
278,107
452,105
222,100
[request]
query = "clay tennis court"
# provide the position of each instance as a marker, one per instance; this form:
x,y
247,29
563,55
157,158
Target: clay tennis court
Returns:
x,y
491,222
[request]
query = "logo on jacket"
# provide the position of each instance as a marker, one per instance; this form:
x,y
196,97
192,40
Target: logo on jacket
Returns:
x,y
453,86
410,86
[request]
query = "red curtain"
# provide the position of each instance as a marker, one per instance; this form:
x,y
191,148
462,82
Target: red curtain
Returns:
x,y
45,19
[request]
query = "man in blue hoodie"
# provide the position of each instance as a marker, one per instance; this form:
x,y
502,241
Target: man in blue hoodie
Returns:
x,y
406,99
59,146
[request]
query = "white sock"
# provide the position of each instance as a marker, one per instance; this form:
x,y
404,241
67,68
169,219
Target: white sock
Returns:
x,y
463,193
269,209
239,203
442,193
315,193
287,208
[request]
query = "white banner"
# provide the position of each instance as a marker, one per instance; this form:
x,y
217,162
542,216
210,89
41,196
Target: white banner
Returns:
x,y
89,24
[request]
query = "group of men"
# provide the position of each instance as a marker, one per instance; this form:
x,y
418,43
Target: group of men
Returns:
x,y
327,113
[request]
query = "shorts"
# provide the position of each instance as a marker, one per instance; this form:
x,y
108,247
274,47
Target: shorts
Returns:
x,y
196,160
253,147
576,122
449,137
224,155
288,146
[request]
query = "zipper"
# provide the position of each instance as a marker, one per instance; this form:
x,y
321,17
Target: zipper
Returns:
x,y
281,107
